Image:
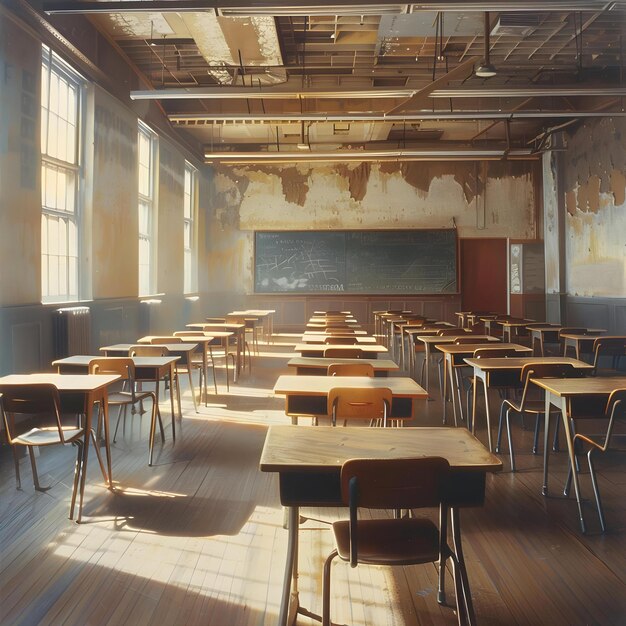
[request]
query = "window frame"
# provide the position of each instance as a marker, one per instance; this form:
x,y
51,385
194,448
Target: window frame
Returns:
x,y
149,202
53,64
190,215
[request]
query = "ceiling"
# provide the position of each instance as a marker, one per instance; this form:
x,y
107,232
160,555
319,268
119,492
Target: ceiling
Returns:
x,y
347,81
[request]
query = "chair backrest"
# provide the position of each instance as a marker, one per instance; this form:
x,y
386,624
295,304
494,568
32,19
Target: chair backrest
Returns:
x,y
147,350
608,346
166,339
546,370
30,399
124,366
351,369
390,484
341,340
471,339
344,353
495,353
447,332
359,403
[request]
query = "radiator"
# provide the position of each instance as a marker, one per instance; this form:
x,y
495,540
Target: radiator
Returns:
x,y
72,331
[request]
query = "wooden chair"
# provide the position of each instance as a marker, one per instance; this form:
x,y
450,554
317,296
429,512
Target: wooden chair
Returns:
x,y
39,404
183,367
128,395
249,327
532,400
344,353
611,347
341,340
393,484
197,358
351,369
372,404
615,409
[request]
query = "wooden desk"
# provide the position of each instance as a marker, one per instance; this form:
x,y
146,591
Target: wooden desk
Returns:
x,y
567,394
512,327
307,395
431,341
239,330
580,342
78,394
313,366
317,350
540,335
147,369
308,461
321,337
347,332
505,372
454,356
267,320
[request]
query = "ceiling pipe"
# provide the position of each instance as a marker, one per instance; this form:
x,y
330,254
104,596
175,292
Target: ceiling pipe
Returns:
x,y
296,118
486,69
369,155
231,8
530,92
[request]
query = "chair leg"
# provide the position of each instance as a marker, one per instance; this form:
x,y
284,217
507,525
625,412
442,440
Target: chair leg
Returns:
x,y
458,592
326,589
596,491
16,461
555,443
117,424
510,438
499,437
77,471
31,454
155,415
444,553
536,437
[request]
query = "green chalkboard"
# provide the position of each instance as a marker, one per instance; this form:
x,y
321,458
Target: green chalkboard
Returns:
x,y
364,261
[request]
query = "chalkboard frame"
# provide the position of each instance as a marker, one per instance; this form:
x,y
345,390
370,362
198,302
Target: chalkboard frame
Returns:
x,y
364,292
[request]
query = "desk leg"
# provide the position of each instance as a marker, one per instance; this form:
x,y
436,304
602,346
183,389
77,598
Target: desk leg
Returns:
x,y
546,442
488,415
445,388
193,391
427,371
470,617
289,597
104,400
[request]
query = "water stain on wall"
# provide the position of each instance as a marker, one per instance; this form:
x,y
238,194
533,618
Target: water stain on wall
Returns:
x,y
596,158
294,183
358,178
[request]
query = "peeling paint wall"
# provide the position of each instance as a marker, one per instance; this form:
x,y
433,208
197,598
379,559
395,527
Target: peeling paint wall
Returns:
x,y
595,199
484,200
20,166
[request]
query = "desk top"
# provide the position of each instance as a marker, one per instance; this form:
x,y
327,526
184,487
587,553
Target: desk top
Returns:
x,y
321,362
320,385
174,347
195,339
436,339
254,312
589,335
319,339
83,360
514,323
365,347
591,386
469,348
64,382
298,448
217,326
347,332
513,363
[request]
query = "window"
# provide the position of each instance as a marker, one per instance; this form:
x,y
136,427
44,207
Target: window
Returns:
x,y
146,150
189,213
61,95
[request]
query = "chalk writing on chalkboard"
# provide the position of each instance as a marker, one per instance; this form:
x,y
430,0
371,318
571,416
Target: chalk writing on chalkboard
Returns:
x,y
373,261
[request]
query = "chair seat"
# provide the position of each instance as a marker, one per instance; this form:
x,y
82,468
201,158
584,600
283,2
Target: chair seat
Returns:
x,y
47,436
125,397
533,406
390,541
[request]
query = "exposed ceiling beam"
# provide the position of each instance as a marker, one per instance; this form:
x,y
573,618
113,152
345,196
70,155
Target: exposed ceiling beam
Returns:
x,y
295,118
468,154
278,93
272,93
308,7
530,92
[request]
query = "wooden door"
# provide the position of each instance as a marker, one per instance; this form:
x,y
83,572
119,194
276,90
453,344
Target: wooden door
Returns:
x,y
484,275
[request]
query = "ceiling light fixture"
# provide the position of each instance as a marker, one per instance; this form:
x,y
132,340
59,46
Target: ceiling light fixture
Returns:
x,y
485,69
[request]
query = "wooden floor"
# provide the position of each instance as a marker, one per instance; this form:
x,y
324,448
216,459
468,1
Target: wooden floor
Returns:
x,y
198,537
